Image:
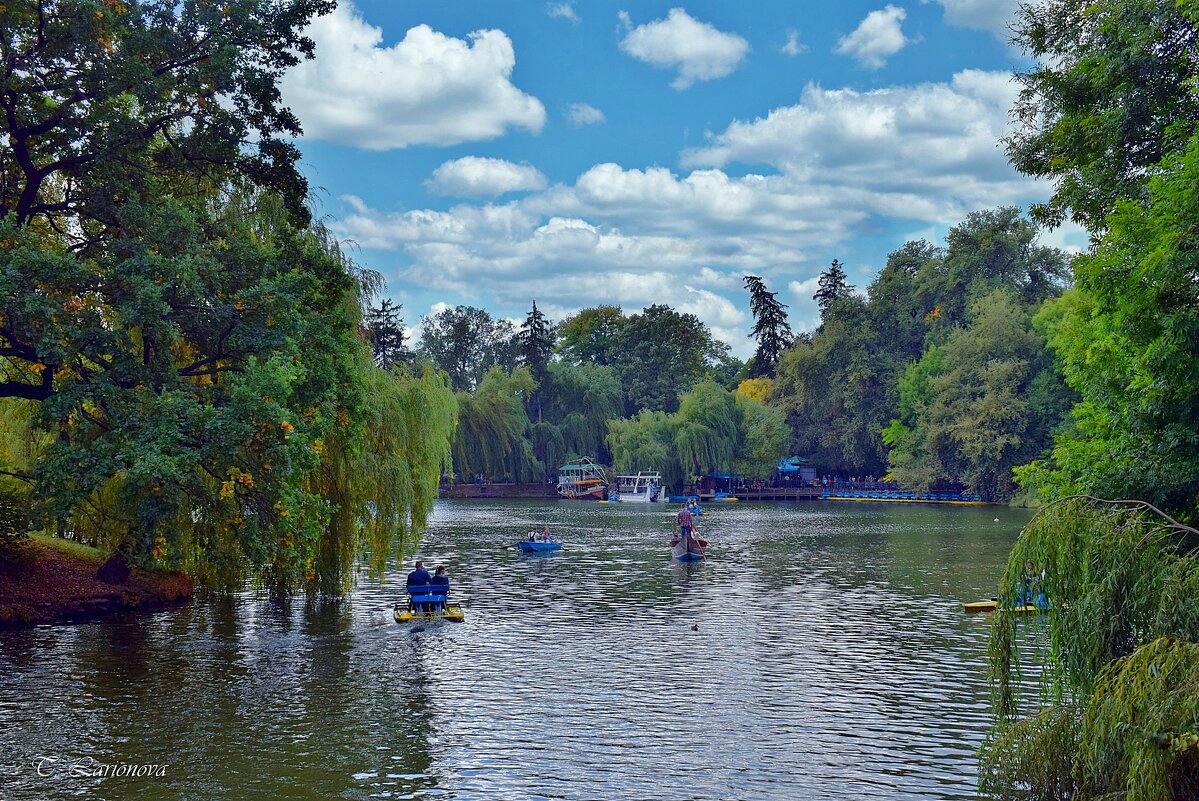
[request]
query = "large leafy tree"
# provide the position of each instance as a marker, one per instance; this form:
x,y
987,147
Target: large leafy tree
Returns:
x,y
590,336
466,342
771,328
107,102
662,354
1112,94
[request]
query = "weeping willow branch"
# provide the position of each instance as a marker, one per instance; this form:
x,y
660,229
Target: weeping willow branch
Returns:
x,y
1116,712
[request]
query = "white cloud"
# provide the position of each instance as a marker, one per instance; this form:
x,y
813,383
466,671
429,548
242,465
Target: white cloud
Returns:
x,y
473,176
564,11
927,152
428,89
877,38
584,114
793,47
989,15
841,163
697,50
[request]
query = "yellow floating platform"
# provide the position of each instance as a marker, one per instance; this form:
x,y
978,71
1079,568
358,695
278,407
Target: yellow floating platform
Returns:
x,y
992,605
452,613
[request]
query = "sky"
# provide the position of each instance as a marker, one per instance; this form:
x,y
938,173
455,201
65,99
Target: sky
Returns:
x,y
577,153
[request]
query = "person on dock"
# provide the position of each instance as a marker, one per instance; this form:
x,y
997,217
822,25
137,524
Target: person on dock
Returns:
x,y
686,521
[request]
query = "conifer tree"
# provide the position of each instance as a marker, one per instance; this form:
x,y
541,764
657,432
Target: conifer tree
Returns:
x,y
386,327
536,340
771,328
833,287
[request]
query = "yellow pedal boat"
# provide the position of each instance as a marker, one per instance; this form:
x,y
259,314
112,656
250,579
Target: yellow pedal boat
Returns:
x,y
992,605
450,612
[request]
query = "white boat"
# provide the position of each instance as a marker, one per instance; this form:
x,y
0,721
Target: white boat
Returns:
x,y
641,488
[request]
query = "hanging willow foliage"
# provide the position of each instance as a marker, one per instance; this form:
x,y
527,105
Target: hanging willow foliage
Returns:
x,y
382,476
490,439
1117,710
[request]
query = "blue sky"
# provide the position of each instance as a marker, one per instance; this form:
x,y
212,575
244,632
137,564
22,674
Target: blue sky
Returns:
x,y
603,152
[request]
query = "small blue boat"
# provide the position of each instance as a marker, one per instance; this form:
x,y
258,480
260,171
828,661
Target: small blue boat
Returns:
x,y
538,547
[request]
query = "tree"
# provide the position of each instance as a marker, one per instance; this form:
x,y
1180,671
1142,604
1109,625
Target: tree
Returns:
x,y
536,340
110,103
467,342
386,328
590,337
1111,95
771,328
765,438
662,353
491,437
1128,341
833,287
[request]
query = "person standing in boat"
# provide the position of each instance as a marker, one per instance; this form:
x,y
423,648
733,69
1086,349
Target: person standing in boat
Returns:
x,y
686,521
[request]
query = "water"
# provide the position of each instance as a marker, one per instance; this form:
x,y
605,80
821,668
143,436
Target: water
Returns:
x,y
820,652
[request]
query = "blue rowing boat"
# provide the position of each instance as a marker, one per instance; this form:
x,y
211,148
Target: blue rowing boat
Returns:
x,y
538,547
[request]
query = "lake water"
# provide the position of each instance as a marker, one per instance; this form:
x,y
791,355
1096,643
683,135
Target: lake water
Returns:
x,y
831,660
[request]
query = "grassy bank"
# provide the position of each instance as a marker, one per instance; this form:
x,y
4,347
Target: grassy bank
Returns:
x,y
47,579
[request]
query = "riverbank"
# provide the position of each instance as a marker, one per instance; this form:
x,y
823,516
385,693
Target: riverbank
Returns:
x,y
49,580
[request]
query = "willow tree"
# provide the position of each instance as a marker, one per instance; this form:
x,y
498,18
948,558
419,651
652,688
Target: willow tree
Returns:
x,y
709,429
491,436
381,476
1116,713
646,442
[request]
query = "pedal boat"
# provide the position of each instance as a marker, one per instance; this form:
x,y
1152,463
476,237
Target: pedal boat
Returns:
x,y
992,605
425,605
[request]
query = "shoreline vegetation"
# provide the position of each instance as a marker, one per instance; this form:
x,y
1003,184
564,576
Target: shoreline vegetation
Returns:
x,y
50,580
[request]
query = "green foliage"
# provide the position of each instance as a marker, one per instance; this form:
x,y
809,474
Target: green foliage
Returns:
x,y
1111,95
1118,709
536,344
466,343
661,354
111,102
491,436
1129,345
766,438
714,431
583,399
590,337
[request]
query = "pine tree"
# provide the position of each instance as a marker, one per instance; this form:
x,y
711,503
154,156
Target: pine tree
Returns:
x,y
771,328
833,287
387,335
536,339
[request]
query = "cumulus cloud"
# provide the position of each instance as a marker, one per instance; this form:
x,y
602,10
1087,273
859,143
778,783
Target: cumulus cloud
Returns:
x,y
696,50
428,89
793,47
926,152
584,114
877,38
473,176
564,11
988,15
833,166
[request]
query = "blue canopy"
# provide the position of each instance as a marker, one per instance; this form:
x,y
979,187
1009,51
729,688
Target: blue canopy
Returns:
x,y
791,465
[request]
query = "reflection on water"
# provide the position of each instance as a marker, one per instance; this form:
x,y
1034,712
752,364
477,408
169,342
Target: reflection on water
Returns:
x,y
821,652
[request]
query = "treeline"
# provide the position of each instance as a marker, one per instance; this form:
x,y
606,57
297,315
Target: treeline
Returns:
x,y
184,375
938,373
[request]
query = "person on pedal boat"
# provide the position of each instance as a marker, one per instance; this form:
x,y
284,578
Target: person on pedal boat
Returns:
x,y
440,583
420,578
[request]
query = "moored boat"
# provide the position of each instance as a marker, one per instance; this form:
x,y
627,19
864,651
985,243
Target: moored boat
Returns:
x,y
640,488
992,605
582,480
689,547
